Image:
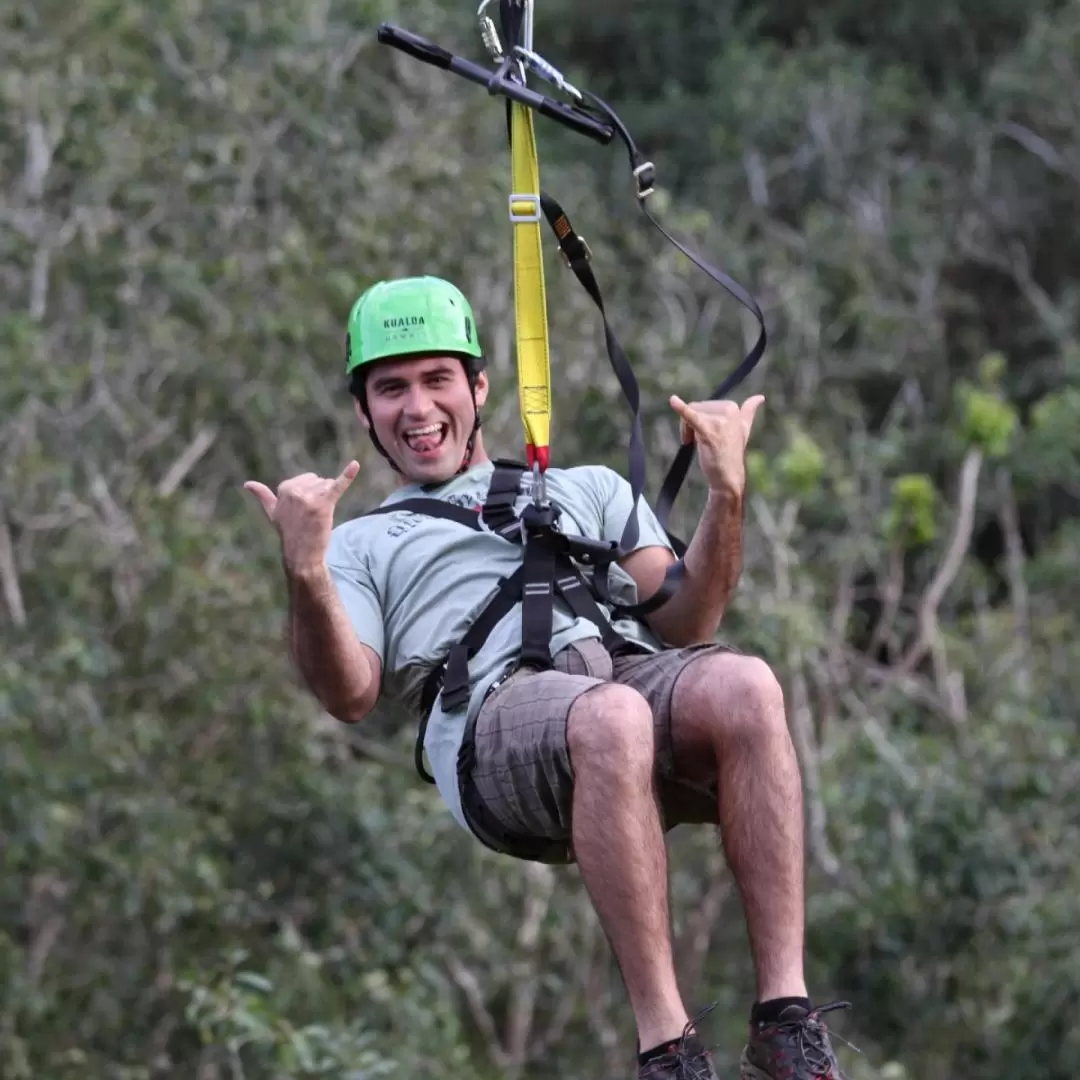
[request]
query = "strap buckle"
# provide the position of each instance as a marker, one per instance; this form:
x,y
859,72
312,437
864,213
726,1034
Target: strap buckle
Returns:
x,y
583,248
539,519
592,552
519,215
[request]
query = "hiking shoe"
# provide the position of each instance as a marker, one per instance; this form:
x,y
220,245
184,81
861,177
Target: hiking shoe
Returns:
x,y
685,1059
795,1047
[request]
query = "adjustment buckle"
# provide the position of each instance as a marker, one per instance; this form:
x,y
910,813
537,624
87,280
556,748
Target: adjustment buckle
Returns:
x,y
592,552
524,208
644,175
538,519
585,252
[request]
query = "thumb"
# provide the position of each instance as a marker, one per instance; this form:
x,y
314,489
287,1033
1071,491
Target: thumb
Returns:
x,y
749,409
348,475
267,499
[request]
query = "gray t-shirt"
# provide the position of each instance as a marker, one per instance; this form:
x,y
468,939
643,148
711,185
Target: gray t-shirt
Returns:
x,y
413,584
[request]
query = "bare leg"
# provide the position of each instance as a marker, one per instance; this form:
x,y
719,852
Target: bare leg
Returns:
x,y
619,846
729,709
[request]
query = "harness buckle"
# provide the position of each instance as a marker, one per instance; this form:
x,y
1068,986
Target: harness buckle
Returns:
x,y
584,249
536,519
524,208
644,175
592,552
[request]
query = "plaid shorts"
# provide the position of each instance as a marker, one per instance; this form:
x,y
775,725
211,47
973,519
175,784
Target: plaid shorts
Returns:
x,y
514,771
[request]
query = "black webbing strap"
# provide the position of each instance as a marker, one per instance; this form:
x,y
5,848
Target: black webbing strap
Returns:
x,y
576,253
572,588
538,586
498,512
453,677
512,17
548,567
432,508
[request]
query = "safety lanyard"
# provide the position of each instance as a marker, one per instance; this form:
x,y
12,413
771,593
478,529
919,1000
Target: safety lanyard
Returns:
x,y
588,115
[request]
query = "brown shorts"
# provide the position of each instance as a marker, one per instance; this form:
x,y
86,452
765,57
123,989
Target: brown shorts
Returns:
x,y
515,774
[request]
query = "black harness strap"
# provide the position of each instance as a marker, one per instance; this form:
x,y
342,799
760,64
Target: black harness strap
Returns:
x,y
577,256
452,678
538,587
548,568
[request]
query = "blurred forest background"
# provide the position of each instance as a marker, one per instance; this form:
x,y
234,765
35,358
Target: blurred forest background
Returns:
x,y
201,876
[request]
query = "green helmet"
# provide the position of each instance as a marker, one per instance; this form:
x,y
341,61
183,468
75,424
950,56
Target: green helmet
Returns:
x,y
410,315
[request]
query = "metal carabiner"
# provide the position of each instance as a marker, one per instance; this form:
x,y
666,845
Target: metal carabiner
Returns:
x,y
539,486
488,34
547,71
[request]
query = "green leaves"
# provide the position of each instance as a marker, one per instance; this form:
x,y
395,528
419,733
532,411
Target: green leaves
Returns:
x,y
201,874
910,520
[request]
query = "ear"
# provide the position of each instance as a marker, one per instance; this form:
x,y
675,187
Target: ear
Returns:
x,y
481,392
360,415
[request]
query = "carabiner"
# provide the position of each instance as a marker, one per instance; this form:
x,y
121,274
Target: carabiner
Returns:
x,y
488,34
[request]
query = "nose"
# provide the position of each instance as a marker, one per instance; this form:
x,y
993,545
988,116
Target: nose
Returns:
x,y
417,402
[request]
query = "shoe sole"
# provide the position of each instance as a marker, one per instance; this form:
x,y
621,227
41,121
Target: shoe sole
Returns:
x,y
749,1071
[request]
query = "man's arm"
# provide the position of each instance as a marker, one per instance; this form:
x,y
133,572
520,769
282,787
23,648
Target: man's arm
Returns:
x,y
713,562
340,670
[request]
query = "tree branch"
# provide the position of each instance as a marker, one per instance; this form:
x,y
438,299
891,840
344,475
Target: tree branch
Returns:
x,y
541,882
950,566
694,944
9,575
190,457
469,986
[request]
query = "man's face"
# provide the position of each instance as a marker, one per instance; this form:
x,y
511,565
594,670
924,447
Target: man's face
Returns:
x,y
423,414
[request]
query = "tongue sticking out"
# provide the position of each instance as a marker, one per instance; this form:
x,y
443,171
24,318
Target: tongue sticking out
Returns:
x,y
426,442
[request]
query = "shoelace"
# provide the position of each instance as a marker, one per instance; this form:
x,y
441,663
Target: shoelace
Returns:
x,y
812,1037
691,1065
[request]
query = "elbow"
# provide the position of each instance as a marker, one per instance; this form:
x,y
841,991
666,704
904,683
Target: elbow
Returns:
x,y
683,626
693,636
350,711
682,633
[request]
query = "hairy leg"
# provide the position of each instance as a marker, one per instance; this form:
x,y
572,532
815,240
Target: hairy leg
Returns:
x,y
728,715
619,847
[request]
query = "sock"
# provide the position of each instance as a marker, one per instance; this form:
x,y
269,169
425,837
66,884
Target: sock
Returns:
x,y
768,1012
693,1045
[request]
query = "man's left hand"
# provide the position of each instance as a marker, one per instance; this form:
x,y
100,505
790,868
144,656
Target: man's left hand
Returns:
x,y
721,430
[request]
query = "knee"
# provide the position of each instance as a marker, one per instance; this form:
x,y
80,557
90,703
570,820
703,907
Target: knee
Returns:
x,y
737,696
611,727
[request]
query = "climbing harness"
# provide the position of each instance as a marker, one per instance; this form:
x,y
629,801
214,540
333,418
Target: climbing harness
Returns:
x,y
550,564
551,558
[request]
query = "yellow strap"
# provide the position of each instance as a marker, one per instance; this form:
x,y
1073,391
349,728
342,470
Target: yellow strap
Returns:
x,y
530,299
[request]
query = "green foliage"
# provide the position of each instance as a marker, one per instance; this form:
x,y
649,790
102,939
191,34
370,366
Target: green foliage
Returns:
x,y
911,516
201,876
802,465
987,422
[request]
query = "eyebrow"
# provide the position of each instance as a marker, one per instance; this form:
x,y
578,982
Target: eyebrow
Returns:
x,y
384,382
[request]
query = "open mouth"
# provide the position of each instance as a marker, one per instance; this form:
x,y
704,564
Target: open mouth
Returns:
x,y
426,440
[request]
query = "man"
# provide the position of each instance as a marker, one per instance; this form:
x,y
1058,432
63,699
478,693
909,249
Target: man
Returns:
x,y
591,760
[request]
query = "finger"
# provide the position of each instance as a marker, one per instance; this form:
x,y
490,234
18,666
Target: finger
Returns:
x,y
679,405
689,418
348,475
267,499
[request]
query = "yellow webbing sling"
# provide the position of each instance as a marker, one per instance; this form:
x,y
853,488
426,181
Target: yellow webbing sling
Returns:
x,y
530,299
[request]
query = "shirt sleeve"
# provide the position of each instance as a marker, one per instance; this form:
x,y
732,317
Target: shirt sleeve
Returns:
x,y
359,595
616,504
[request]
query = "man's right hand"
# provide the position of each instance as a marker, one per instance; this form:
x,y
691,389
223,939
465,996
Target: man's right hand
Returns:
x,y
302,511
